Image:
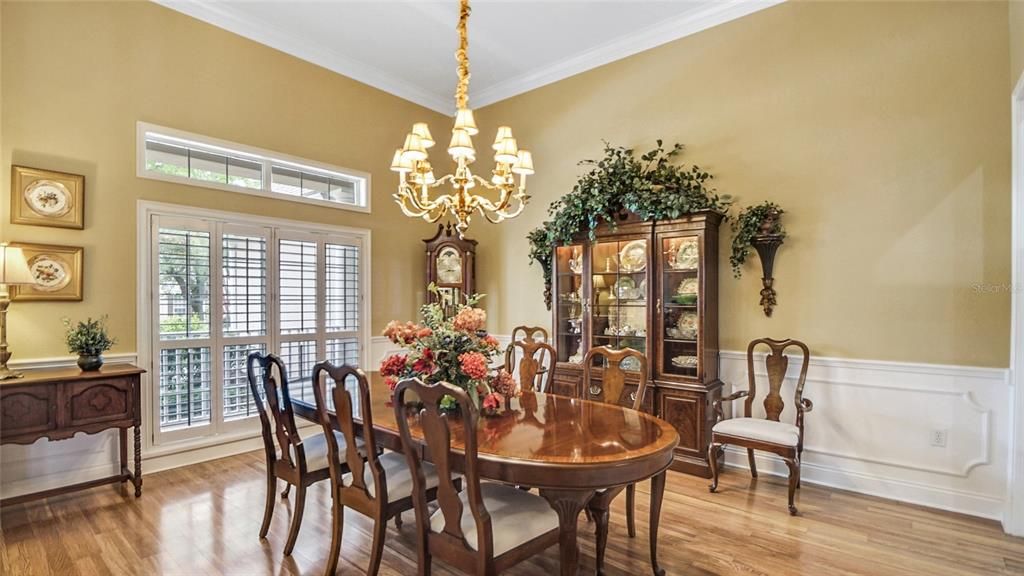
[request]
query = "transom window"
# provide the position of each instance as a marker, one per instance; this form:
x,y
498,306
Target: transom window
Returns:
x,y
176,156
223,288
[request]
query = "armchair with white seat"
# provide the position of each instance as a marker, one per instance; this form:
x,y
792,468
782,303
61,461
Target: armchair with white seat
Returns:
x,y
769,433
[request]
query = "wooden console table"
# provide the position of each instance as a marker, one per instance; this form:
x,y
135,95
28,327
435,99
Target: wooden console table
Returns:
x,y
61,402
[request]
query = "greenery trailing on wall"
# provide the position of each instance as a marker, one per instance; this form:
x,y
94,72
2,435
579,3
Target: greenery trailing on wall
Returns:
x,y
762,219
650,186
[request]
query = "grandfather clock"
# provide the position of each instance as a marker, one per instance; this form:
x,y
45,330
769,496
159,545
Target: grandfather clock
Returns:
x,y
451,266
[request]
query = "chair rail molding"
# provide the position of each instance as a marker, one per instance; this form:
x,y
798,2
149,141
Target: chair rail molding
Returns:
x,y
873,424
1013,517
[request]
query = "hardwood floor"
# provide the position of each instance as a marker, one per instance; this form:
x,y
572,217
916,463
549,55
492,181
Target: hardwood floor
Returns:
x,y
204,519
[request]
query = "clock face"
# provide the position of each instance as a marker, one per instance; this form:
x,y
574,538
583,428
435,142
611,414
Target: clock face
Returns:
x,y
449,266
50,272
48,198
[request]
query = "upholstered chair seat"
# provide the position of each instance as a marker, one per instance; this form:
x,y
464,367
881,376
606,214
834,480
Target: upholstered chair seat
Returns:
x,y
397,475
316,449
516,517
781,433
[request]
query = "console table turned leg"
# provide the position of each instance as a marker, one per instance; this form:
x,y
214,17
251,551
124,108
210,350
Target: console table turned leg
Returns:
x,y
137,477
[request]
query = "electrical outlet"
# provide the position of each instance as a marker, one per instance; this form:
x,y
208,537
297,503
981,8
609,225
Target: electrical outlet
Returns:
x,y
939,438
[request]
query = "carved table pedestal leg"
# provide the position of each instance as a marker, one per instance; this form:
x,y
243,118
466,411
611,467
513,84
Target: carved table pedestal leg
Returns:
x,y
568,503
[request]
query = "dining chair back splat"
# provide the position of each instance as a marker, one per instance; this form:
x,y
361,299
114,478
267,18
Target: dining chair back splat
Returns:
x,y
769,433
536,366
462,532
610,390
296,461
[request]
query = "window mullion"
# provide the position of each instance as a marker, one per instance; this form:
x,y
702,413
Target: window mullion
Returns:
x,y
217,325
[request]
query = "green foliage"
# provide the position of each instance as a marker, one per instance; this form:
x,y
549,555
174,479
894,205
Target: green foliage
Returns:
x,y
651,186
88,338
747,225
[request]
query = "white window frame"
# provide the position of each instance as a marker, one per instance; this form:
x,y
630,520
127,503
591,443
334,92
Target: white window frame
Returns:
x,y
219,431
267,158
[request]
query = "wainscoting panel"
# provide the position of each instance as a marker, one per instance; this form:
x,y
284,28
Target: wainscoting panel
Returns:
x,y
879,428
871,431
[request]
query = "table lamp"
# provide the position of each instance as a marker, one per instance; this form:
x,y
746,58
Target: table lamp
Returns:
x,y
13,271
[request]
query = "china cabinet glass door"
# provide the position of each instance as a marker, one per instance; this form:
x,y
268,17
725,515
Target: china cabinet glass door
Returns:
x,y
618,306
569,302
679,316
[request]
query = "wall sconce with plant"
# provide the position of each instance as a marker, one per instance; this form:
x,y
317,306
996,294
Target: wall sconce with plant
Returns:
x,y
758,227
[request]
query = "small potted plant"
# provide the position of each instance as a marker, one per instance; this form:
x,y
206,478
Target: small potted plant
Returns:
x,y
89,340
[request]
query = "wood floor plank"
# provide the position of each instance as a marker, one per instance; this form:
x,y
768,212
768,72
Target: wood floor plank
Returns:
x,y
204,519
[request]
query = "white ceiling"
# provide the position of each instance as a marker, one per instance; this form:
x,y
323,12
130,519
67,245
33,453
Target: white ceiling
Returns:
x,y
406,47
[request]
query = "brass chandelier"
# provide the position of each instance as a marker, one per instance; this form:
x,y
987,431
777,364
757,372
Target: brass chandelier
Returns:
x,y
416,176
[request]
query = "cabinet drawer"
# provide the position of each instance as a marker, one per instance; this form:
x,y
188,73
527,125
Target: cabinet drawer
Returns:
x,y
99,401
27,410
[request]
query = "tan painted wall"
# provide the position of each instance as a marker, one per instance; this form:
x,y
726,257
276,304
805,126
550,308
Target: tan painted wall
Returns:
x,y
1016,40
71,103
880,127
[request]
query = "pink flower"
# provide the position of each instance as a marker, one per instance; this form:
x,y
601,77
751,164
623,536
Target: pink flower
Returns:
x,y
469,320
490,341
392,382
474,365
492,401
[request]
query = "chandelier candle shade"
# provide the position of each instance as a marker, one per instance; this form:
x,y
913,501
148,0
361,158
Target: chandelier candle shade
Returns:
x,y
416,176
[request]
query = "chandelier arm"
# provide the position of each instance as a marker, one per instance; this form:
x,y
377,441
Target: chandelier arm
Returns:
x,y
462,57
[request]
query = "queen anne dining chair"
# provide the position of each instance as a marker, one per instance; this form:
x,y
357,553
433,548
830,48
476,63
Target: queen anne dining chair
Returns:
x,y
612,390
297,461
768,433
378,485
535,366
486,528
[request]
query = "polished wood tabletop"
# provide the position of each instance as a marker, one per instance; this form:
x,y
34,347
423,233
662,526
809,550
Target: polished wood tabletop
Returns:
x,y
566,447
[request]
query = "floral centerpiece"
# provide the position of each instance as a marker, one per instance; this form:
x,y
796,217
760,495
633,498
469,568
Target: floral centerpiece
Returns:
x,y
455,349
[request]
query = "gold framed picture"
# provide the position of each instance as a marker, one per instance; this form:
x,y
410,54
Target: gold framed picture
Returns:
x,y
47,198
56,269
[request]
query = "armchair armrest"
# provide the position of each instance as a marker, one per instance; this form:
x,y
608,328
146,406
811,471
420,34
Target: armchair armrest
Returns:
x,y
717,404
805,405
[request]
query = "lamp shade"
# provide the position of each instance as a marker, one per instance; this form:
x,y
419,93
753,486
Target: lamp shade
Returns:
x,y
503,132
464,121
399,163
508,152
413,150
423,131
461,145
14,267
524,163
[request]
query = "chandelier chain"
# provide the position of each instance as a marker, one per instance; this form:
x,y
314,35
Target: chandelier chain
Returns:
x,y
462,57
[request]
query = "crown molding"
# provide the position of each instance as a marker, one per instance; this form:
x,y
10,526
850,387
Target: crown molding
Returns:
x,y
306,49
622,47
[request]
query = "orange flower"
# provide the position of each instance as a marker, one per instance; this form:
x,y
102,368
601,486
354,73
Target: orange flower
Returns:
x,y
470,320
474,365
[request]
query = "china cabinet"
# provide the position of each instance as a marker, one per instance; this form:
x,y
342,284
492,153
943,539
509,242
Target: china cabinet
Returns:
x,y
651,286
451,265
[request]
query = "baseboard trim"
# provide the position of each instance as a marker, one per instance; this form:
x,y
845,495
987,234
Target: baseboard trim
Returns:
x,y
951,500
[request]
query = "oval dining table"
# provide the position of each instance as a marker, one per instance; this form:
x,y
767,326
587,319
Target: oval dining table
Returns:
x,y
566,447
